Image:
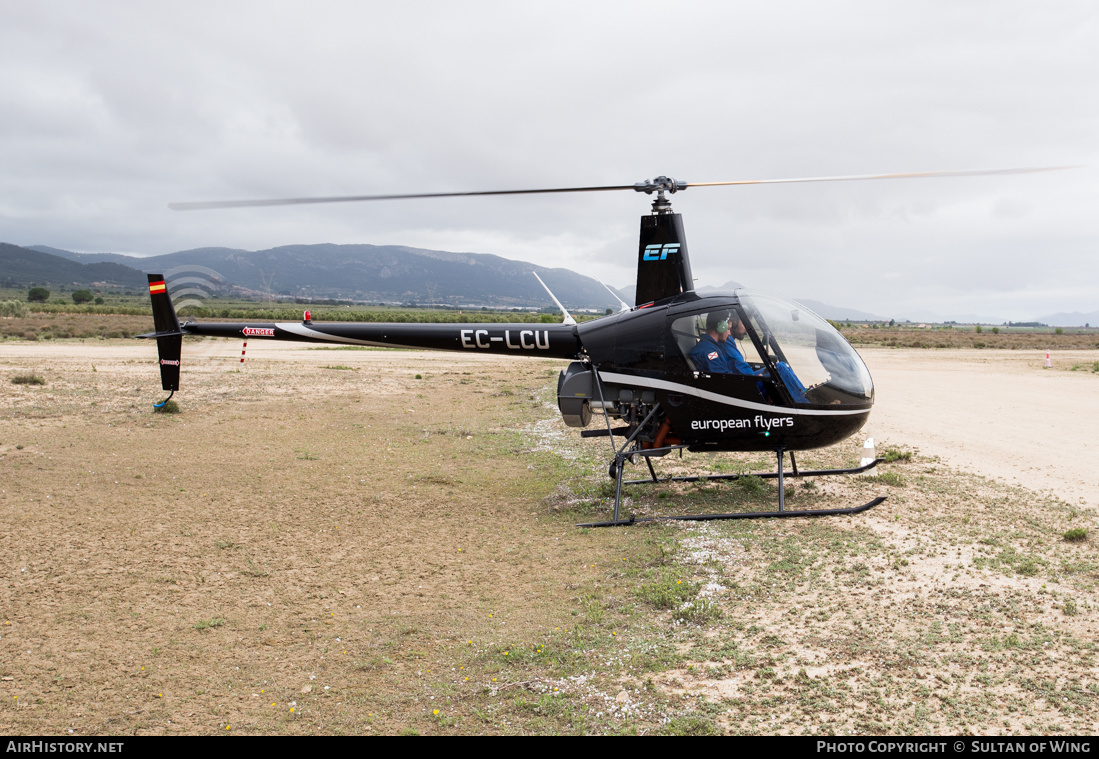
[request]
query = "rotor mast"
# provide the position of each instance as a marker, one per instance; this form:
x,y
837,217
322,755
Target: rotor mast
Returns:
x,y
661,185
663,267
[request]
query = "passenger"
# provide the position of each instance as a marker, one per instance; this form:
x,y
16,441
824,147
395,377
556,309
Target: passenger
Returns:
x,y
733,356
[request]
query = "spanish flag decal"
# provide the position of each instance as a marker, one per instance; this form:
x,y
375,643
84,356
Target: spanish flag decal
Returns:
x,y
155,288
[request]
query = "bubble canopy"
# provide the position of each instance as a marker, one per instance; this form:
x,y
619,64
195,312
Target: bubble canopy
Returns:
x,y
782,331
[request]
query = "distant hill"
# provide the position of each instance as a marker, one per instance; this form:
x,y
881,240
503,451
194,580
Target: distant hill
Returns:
x,y
25,267
838,313
375,273
132,262
1073,319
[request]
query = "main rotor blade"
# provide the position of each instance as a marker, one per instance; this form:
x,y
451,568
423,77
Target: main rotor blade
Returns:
x,y
197,206
909,175
661,184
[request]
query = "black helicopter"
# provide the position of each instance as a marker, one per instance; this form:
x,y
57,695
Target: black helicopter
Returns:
x,y
658,369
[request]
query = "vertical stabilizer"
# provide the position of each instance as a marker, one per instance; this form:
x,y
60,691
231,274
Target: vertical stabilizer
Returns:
x,y
663,269
169,337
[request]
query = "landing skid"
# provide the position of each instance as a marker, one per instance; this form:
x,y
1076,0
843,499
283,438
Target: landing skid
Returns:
x,y
619,463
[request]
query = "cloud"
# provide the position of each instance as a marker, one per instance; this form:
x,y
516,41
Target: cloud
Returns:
x,y
114,109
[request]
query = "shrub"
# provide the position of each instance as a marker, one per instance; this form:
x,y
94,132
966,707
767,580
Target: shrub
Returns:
x,y
28,379
751,485
38,295
668,593
13,308
886,478
893,455
1076,534
698,611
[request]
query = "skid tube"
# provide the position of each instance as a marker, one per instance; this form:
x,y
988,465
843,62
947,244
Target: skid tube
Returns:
x,y
621,457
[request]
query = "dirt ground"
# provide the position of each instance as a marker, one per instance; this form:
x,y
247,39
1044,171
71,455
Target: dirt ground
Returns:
x,y
361,541
998,413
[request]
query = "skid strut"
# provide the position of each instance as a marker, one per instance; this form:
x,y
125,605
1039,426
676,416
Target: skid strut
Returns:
x,y
619,463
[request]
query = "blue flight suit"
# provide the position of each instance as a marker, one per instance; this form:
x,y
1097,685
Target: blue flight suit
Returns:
x,y
710,357
735,361
713,357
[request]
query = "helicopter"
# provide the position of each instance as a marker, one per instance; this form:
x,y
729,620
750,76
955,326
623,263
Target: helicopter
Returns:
x,y
666,375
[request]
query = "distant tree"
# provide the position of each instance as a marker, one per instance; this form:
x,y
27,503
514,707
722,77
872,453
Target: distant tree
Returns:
x,y
979,330
1059,331
610,310
38,295
82,296
995,330
98,301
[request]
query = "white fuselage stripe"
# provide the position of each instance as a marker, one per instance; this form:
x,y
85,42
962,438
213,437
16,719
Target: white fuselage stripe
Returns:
x,y
629,379
303,331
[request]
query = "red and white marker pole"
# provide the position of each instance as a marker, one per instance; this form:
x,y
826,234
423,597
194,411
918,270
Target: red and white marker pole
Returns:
x,y
242,350
1049,363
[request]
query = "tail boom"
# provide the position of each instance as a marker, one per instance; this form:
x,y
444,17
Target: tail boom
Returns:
x,y
543,340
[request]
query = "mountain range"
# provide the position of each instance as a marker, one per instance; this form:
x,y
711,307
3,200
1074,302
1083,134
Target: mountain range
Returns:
x,y
20,267
366,273
390,274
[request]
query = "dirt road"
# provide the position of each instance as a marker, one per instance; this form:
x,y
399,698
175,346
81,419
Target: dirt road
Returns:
x,y
995,413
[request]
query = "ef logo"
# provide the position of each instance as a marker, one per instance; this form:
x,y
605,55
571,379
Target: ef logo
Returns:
x,y
658,252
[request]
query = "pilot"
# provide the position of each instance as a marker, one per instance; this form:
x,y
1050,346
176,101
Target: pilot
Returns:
x,y
709,354
733,356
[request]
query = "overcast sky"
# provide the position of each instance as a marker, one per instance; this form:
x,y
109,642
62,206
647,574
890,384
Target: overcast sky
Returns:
x,y
110,110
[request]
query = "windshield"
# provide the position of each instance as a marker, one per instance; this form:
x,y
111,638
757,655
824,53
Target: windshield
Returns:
x,y
822,362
